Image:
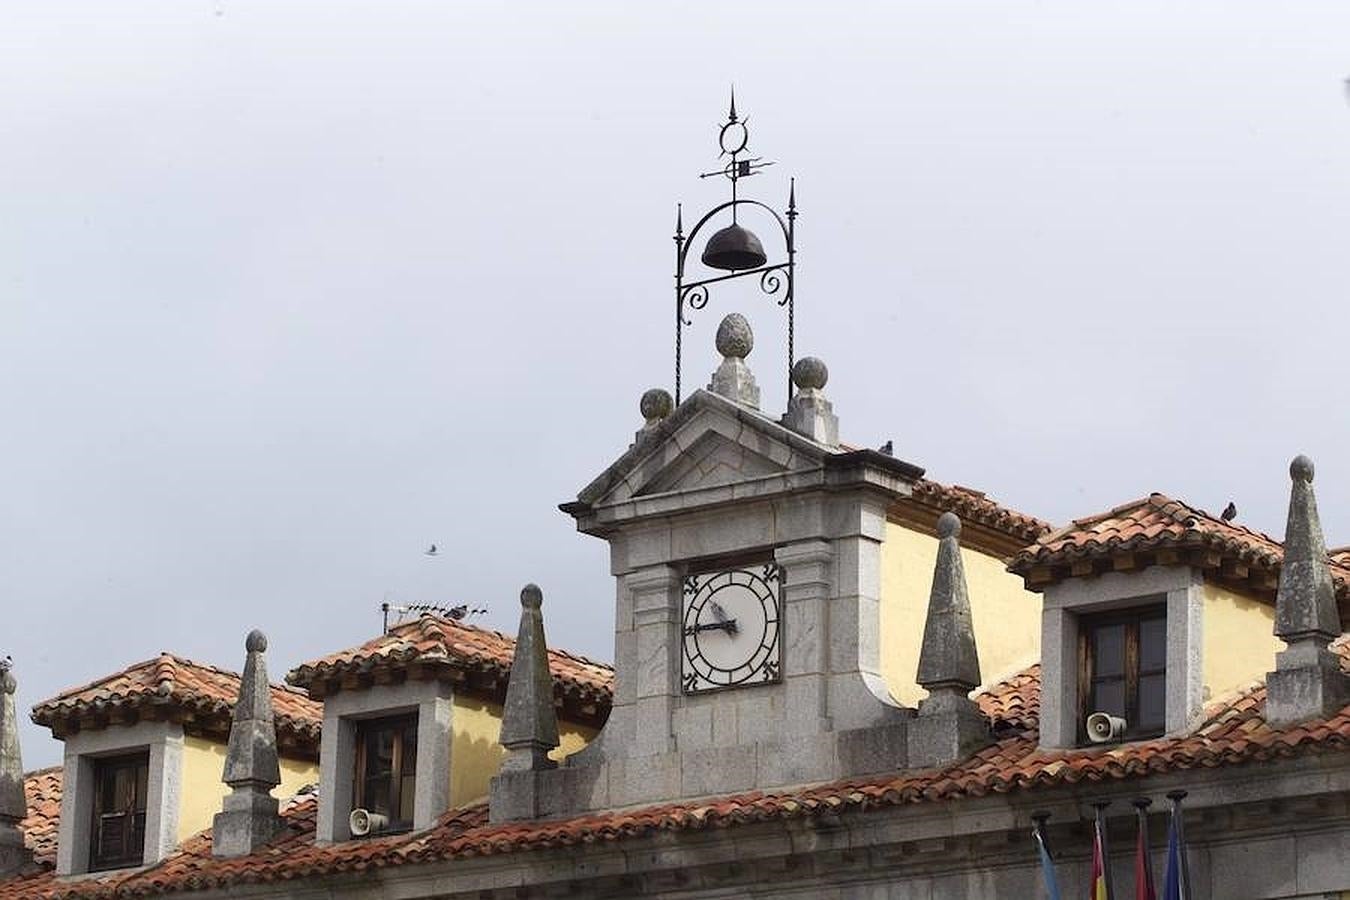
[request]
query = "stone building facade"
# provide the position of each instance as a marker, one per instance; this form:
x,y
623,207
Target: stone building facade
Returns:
x,y
833,678
753,738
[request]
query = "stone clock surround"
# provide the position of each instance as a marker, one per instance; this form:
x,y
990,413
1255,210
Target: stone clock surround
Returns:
x,y
732,484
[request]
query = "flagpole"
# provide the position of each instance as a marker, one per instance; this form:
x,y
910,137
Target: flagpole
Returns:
x,y
1180,824
1040,817
1144,864
1100,807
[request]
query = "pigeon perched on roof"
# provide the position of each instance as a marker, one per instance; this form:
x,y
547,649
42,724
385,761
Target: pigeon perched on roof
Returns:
x,y
887,448
1229,512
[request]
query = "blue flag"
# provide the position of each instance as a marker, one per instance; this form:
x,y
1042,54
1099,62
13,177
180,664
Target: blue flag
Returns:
x,y
1047,868
1172,881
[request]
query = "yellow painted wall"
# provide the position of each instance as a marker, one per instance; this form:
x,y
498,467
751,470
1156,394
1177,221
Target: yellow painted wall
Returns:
x,y
202,789
475,755
1007,617
1239,643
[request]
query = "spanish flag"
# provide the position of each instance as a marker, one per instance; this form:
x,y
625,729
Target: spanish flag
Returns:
x,y
1098,891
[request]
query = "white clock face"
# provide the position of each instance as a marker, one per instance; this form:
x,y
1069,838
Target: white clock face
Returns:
x,y
731,628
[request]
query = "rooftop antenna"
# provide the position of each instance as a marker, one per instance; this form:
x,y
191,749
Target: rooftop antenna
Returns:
x,y
455,613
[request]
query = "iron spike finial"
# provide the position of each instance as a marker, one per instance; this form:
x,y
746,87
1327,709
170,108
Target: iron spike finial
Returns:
x,y
679,221
731,115
792,196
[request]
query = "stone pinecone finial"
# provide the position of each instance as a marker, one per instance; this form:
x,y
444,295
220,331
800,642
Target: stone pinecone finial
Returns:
x,y
733,378
529,721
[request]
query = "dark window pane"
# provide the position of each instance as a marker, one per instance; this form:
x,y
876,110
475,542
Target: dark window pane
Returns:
x,y
389,762
118,836
112,836
409,761
1109,650
1153,644
405,800
1108,697
1152,702
377,794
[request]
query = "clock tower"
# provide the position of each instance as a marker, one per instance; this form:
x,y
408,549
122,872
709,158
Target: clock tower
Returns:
x,y
746,554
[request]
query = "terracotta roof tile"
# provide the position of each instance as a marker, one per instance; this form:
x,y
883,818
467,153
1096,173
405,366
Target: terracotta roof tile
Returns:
x,y
974,506
1233,733
1157,528
178,687
1013,705
478,656
43,789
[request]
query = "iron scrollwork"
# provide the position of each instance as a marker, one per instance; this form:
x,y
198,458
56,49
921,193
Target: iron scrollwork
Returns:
x,y
773,279
695,297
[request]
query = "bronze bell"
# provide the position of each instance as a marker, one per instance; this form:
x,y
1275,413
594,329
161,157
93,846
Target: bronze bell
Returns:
x,y
735,249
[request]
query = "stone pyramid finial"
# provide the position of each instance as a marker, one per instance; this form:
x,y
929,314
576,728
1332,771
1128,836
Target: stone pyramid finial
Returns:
x,y
949,724
1306,603
1307,682
949,664
13,803
733,378
249,817
808,411
529,721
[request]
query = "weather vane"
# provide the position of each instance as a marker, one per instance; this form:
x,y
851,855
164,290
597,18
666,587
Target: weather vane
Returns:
x,y
734,248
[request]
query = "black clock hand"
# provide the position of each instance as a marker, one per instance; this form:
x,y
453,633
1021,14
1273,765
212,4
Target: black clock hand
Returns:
x,y
729,626
720,615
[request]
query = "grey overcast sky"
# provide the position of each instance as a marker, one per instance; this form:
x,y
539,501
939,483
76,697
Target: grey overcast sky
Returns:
x,y
292,290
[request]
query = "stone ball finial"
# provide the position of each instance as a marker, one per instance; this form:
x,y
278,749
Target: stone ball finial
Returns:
x,y
656,404
256,642
735,340
810,373
531,597
1301,469
949,525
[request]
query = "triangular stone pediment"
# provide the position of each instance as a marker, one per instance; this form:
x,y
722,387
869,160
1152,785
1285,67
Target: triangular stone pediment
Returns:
x,y
708,441
712,460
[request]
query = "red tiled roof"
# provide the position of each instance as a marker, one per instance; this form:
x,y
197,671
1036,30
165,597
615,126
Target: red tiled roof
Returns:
x,y
433,646
1233,733
1014,704
974,507
43,790
169,686
1158,529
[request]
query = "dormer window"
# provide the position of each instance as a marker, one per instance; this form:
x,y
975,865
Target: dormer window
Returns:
x,y
1123,669
386,771
120,800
